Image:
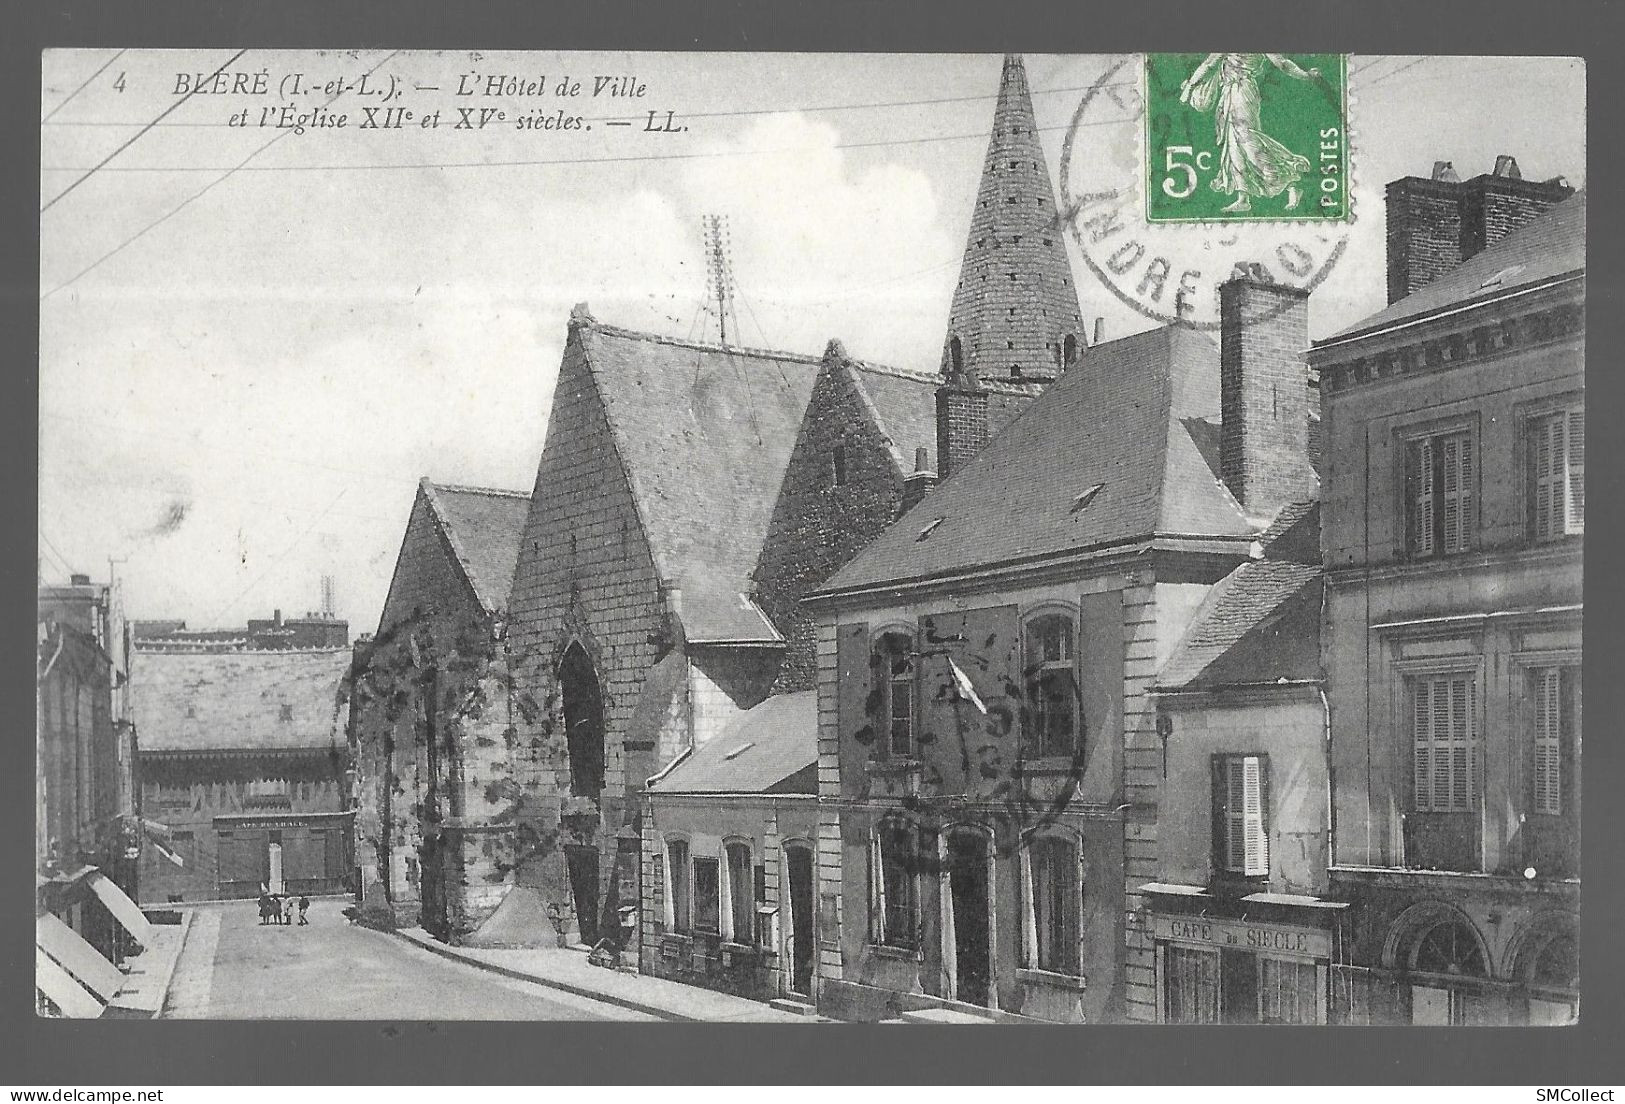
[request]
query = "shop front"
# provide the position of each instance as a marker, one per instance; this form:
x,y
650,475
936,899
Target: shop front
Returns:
x,y
1243,968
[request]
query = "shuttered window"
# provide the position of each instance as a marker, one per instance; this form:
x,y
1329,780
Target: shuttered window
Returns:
x,y
1443,732
1190,985
1439,490
1557,474
1054,880
740,893
1052,688
893,892
1241,814
1288,991
894,663
1552,705
677,885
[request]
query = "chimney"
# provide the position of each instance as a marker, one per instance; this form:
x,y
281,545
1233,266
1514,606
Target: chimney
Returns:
x,y
78,580
1437,223
919,481
276,619
1100,332
1264,394
961,424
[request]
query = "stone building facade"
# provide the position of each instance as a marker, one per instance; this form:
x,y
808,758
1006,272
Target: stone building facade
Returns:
x,y
1453,530
1239,918
729,832
242,758
431,730
989,760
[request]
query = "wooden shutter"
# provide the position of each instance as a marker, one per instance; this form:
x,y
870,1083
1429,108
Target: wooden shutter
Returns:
x,y
1456,497
859,731
877,886
1545,487
1548,706
1576,424
1235,818
1419,496
1257,780
1445,761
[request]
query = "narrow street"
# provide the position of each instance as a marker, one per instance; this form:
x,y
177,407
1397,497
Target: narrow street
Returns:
x,y
233,967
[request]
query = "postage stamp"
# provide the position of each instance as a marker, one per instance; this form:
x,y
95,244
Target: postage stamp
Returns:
x,y
1178,170
1236,137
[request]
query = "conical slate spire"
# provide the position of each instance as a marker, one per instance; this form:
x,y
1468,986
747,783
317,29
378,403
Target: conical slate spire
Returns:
x,y
1015,314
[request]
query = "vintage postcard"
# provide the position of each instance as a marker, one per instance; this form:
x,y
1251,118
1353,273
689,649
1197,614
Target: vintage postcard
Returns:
x,y
810,538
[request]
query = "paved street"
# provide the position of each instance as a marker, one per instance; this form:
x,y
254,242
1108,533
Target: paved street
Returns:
x,y
235,968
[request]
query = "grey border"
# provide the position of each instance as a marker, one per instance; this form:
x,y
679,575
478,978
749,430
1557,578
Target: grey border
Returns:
x,y
53,1054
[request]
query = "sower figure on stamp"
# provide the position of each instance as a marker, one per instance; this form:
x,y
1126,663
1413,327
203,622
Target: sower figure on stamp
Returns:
x,y
1251,163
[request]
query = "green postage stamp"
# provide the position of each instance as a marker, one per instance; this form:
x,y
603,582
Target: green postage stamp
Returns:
x,y
1239,137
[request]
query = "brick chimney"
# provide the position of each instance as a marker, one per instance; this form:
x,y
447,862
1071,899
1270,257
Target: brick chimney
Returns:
x,y
1264,394
961,423
919,481
1437,223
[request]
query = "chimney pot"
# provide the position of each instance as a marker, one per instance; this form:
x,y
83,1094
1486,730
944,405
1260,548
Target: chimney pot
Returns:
x,y
1506,165
922,459
1100,331
1444,170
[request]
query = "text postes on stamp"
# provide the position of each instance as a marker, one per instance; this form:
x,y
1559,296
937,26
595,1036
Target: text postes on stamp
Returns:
x,y
1180,170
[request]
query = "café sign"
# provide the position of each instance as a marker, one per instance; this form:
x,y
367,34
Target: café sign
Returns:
x,y
1243,935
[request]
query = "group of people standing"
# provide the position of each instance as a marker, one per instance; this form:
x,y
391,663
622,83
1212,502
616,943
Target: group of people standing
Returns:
x,y
278,908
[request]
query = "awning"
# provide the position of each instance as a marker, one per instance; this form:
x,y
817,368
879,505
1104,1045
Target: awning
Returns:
x,y
124,910
68,995
1296,900
76,956
1174,889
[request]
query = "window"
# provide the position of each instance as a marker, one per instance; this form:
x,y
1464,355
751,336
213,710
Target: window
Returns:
x,y
741,894
707,896
1191,985
286,713
1055,904
1445,755
1288,991
1556,444
1439,485
1553,701
1241,821
837,466
1052,688
894,661
893,891
677,895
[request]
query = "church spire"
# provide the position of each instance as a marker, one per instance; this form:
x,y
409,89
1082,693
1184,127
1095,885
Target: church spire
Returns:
x,y
1015,312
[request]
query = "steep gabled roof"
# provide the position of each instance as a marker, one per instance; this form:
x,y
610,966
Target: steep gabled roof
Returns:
x,y
1260,623
904,406
705,433
1551,246
484,528
770,748
1118,422
242,700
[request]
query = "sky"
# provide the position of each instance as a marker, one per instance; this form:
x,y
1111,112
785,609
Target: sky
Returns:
x,y
254,343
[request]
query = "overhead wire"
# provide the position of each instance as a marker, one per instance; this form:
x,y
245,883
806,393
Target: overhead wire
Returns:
x,y
83,85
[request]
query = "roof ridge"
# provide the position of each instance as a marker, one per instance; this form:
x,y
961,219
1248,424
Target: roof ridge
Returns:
x,y
899,373
702,346
465,488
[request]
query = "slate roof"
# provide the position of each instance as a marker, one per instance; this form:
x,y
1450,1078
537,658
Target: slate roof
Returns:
x,y
904,405
197,701
1549,246
705,433
770,748
1260,623
485,528
1125,420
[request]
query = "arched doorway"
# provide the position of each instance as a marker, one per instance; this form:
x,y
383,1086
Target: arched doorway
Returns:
x,y
1446,965
583,704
